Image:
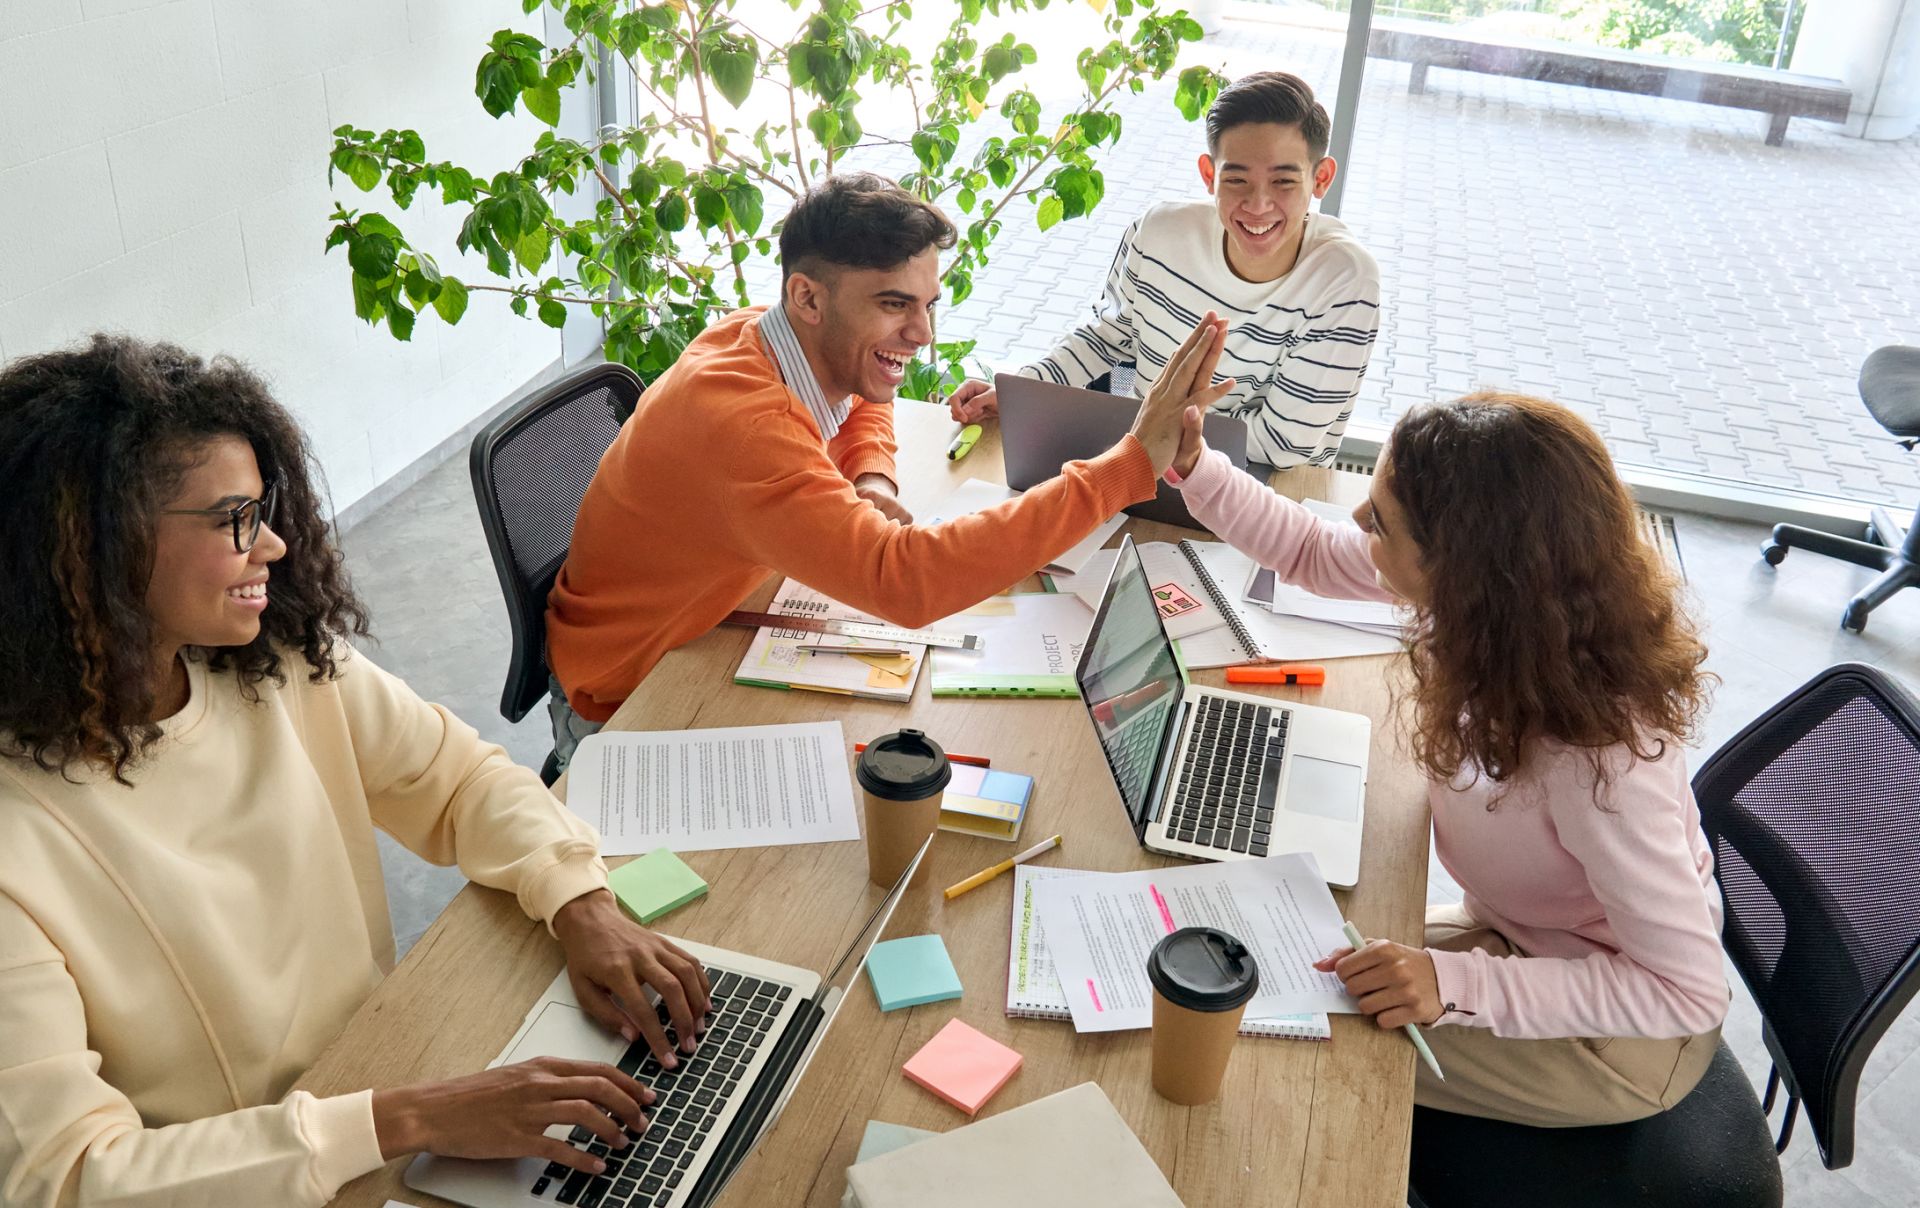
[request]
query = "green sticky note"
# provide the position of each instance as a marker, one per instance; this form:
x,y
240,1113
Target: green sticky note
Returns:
x,y
654,884
911,971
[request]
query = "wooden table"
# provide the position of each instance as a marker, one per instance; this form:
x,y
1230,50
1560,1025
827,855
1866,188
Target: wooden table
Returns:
x,y
1298,1123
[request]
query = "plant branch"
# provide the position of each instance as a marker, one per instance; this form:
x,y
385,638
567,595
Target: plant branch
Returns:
x,y
613,190
543,295
681,119
793,129
1060,137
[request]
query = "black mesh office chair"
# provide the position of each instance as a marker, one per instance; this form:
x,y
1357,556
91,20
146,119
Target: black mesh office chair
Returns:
x,y
1813,812
1890,387
530,468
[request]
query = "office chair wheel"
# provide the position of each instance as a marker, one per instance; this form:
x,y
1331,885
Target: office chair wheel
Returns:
x,y
1854,619
1774,553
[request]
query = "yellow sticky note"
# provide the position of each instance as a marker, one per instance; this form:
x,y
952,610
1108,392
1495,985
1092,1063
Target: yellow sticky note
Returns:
x,y
880,677
992,606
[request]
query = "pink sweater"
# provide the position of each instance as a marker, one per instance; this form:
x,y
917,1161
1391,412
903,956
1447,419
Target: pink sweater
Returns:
x,y
1613,900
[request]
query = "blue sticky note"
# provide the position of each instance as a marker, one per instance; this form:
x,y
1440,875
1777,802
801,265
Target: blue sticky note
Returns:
x,y
1010,787
911,971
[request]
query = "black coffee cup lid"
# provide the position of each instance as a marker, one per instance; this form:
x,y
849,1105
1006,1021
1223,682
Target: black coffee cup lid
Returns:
x,y
904,766
1203,969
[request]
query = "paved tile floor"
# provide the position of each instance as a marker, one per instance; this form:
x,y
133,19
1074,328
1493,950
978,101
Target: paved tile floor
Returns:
x,y
421,563
1704,299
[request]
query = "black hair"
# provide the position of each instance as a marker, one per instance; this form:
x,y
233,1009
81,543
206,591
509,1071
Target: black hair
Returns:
x,y
93,442
859,220
1270,96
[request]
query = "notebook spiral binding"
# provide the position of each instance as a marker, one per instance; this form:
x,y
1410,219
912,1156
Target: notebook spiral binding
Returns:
x,y
1226,607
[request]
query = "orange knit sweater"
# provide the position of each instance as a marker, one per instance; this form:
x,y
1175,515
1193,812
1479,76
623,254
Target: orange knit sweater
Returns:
x,y
721,478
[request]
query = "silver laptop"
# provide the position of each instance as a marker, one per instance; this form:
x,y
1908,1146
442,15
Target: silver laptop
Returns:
x,y
1214,775
768,1020
1043,426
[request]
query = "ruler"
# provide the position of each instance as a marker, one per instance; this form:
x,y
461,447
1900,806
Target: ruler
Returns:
x,y
854,629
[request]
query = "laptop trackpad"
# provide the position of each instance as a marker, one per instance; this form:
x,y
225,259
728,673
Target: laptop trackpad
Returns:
x,y
1324,788
566,1031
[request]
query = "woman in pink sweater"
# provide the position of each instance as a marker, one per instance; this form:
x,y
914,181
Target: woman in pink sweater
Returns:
x,y
1552,678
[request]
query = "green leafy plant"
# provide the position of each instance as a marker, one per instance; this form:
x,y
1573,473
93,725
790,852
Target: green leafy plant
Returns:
x,y
682,194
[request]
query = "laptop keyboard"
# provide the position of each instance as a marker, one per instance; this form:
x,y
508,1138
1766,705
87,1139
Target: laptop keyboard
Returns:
x,y
1225,794
681,1122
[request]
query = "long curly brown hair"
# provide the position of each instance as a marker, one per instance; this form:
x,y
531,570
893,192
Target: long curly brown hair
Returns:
x,y
1548,615
93,441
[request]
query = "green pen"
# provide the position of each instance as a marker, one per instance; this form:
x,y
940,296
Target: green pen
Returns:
x,y
963,442
1413,1030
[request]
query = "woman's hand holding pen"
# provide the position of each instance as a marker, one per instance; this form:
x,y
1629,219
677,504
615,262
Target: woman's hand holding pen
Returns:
x,y
1185,385
1393,983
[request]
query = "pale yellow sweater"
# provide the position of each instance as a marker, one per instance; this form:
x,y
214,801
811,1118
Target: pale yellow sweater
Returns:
x,y
174,955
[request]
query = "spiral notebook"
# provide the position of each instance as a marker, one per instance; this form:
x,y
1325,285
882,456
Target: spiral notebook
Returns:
x,y
1252,634
1033,988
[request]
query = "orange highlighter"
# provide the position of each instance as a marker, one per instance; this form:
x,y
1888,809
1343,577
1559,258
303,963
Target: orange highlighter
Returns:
x,y
1310,674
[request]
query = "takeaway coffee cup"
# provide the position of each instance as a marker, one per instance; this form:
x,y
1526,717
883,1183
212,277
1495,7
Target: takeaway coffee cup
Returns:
x,y
902,777
1202,979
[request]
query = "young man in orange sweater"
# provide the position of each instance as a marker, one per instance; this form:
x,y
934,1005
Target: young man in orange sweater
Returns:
x,y
768,449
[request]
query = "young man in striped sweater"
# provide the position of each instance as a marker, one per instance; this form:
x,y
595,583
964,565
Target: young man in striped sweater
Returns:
x,y
1301,297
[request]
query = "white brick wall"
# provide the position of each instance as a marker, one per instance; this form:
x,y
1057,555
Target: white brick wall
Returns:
x,y
163,171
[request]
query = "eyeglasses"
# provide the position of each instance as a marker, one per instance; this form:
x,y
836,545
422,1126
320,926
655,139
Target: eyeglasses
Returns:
x,y
245,520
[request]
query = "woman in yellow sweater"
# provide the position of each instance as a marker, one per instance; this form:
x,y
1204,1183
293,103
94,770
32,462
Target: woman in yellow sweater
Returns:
x,y
192,765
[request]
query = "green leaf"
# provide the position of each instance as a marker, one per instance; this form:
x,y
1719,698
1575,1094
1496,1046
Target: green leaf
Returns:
x,y
1077,188
451,302
497,83
400,322
366,298
1052,210
966,200
709,206
644,184
1195,90
1001,170
372,256
746,203
419,289
671,213
518,305
407,145
552,313
543,102
999,61
533,248
360,167
730,66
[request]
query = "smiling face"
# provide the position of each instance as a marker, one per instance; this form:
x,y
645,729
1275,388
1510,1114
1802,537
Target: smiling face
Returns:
x,y
202,592
860,326
1395,554
1263,178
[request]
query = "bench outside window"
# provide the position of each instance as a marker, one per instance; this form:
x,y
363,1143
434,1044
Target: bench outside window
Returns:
x,y
1781,95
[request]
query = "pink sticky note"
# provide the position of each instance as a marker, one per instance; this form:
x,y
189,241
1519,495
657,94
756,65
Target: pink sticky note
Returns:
x,y
962,1066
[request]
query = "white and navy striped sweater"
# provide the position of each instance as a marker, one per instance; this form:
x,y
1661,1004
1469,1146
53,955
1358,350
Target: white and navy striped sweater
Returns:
x,y
1297,347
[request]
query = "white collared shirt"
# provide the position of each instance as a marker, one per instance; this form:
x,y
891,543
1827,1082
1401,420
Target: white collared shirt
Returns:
x,y
777,331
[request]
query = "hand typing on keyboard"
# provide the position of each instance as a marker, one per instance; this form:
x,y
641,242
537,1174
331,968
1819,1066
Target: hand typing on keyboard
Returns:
x,y
505,1112
612,961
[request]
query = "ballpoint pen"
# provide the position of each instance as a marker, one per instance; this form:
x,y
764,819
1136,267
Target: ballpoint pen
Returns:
x,y
1413,1030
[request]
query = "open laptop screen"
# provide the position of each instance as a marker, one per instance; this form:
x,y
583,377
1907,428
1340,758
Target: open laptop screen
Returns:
x,y
1130,683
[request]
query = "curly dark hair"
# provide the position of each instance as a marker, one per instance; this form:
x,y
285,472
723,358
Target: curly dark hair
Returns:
x,y
93,441
1548,614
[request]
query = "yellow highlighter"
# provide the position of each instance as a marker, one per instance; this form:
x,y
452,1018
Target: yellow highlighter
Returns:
x,y
963,442
987,874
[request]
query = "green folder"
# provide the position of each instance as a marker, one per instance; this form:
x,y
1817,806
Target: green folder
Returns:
x,y
655,884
